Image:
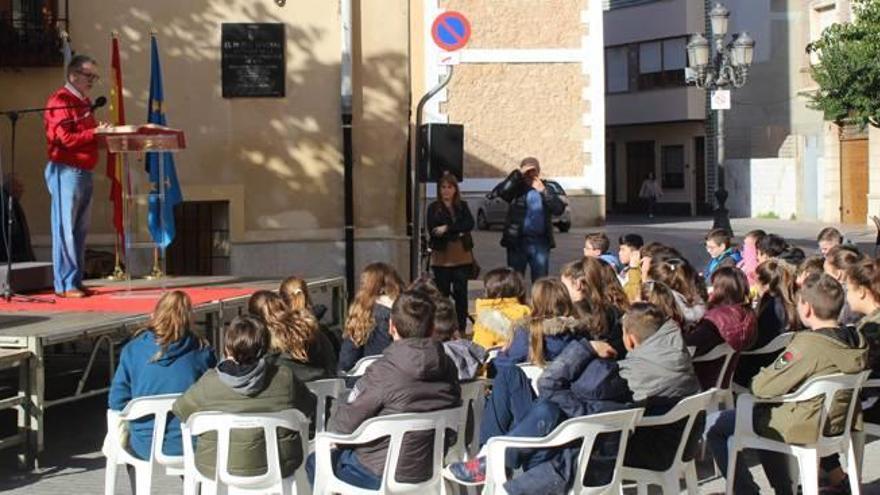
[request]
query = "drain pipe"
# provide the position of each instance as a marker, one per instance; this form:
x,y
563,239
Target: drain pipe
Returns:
x,y
347,151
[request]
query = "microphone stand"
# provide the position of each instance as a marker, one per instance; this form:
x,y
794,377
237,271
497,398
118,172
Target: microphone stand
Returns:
x,y
13,115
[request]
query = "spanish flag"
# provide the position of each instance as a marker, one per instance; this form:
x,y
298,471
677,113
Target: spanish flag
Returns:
x,y
114,161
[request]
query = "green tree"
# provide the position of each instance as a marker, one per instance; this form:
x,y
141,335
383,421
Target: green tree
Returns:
x,y
848,72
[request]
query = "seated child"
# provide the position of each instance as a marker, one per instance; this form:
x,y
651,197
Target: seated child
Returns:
x,y
720,249
294,337
827,239
366,328
656,374
749,262
247,382
629,255
730,319
295,292
503,306
825,348
838,260
413,375
164,357
596,245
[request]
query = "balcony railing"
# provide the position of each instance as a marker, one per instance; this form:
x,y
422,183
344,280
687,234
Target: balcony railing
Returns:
x,y
31,43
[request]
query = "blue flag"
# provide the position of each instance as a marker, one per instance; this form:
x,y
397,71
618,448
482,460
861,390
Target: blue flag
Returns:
x,y
160,217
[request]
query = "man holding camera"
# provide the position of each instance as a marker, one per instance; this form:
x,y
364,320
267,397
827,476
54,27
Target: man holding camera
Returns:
x,y
528,230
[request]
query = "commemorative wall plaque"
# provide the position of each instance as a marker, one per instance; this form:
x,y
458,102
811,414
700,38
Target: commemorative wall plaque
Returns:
x,y
252,60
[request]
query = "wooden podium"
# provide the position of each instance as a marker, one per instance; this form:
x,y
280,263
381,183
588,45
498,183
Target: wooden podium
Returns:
x,y
130,139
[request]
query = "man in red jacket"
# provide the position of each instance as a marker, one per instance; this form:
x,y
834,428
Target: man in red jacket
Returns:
x,y
73,153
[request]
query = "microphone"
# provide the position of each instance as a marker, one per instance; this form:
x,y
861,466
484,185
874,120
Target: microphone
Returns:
x,y
99,102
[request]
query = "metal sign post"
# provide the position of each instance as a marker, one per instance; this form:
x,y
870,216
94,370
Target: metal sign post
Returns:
x,y
451,31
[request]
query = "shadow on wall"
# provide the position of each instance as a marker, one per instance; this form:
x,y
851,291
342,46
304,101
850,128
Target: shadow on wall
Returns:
x,y
290,162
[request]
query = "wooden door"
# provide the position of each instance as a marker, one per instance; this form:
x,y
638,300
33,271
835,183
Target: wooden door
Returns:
x,y
854,181
639,163
201,241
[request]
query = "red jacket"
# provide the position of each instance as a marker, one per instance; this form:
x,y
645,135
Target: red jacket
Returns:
x,y
70,133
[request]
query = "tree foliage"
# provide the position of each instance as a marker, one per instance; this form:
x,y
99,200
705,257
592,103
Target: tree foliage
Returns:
x,y
848,72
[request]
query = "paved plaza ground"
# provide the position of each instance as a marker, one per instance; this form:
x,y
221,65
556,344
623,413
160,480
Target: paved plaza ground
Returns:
x,y
73,462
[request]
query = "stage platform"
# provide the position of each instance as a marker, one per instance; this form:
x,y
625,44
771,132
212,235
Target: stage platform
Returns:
x,y
97,326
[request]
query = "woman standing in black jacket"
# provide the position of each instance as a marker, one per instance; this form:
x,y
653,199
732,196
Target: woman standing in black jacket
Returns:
x,y
450,223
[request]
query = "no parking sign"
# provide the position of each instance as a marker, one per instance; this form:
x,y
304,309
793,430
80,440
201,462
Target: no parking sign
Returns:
x,y
451,30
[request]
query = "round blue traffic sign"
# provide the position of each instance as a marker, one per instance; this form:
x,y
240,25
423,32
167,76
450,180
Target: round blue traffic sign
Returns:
x,y
451,30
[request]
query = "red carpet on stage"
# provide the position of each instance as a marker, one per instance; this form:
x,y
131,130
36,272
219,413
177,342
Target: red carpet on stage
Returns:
x,y
118,300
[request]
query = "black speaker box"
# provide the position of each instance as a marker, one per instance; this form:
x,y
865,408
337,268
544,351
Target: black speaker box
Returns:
x,y
441,150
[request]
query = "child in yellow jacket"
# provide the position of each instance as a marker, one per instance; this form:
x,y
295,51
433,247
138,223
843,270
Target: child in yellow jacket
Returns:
x,y
502,307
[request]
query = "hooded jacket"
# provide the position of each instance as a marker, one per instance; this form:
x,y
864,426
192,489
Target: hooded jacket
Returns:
x,y
559,331
659,371
467,356
376,342
735,325
260,387
809,354
413,375
730,257
496,319
692,313
145,369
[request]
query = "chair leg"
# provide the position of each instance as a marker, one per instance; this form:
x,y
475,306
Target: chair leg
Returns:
x,y
733,453
691,480
854,463
808,464
143,478
110,477
642,488
671,485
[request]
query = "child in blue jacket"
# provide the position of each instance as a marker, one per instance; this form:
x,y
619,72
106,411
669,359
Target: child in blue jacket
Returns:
x,y
720,249
164,357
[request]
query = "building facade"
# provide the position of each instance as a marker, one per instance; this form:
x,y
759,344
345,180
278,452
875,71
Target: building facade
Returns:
x,y
262,178
783,159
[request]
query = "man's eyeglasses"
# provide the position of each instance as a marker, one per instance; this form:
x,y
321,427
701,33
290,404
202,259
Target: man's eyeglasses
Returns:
x,y
91,77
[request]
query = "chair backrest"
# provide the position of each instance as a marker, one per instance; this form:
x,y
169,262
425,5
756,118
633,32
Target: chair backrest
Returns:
x,y
721,352
584,428
363,363
829,387
688,408
223,423
395,426
328,388
774,346
157,406
533,371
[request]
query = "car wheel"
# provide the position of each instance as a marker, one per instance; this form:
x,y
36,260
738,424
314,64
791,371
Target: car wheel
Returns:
x,y
482,222
564,227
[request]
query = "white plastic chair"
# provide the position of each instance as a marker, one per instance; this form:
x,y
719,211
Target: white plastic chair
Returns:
x,y
688,409
223,423
584,428
393,426
775,346
533,371
328,388
723,398
158,406
872,429
807,456
361,366
473,398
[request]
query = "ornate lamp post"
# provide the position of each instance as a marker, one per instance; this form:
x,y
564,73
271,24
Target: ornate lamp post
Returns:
x,y
728,67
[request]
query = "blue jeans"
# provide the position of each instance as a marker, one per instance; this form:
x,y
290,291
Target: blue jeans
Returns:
x,y
348,468
531,251
510,401
71,191
775,465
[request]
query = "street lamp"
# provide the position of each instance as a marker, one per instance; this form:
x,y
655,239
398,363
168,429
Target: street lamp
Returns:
x,y
729,67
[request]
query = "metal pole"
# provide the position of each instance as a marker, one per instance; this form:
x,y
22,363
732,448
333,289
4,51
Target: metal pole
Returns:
x,y
415,219
345,93
722,216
